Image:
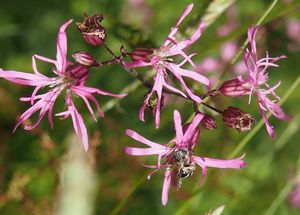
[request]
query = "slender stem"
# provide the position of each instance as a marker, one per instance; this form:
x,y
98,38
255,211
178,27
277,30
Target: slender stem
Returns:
x,y
110,51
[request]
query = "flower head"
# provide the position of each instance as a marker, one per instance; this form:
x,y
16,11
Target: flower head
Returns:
x,y
69,76
256,82
179,161
161,59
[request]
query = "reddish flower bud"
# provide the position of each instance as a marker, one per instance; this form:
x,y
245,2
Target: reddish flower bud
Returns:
x,y
83,58
209,122
142,54
236,118
91,30
123,51
234,88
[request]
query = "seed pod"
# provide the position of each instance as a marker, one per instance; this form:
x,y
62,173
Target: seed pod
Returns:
x,y
234,88
91,29
236,118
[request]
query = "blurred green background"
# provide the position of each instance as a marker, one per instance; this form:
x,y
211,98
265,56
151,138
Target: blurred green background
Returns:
x,y
46,171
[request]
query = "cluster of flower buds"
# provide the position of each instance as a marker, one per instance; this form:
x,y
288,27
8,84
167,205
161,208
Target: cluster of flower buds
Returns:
x,y
169,63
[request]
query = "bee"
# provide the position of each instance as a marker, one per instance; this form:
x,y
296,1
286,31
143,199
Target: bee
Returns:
x,y
181,166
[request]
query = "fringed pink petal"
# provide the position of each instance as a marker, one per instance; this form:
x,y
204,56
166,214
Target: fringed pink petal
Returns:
x,y
174,89
143,151
185,43
142,139
199,161
193,75
98,91
175,28
166,187
78,124
45,59
22,78
269,127
190,131
251,36
61,53
222,164
178,127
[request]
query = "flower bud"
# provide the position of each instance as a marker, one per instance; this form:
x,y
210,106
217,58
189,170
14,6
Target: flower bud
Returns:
x,y
78,72
123,51
83,58
234,88
142,54
91,30
236,118
209,122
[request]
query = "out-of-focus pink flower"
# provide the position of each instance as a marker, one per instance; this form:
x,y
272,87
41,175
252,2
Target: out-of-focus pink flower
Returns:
x,y
68,76
161,60
293,30
178,157
294,195
257,79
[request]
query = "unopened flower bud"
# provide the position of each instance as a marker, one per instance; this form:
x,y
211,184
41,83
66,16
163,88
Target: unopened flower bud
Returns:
x,y
83,58
142,54
123,51
209,122
78,71
91,30
236,118
234,88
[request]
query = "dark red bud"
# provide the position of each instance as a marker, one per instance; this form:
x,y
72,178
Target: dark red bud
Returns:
x,y
91,29
142,54
83,58
236,118
234,88
209,122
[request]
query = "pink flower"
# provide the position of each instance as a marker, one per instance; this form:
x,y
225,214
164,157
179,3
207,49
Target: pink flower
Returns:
x,y
68,76
161,60
256,83
178,157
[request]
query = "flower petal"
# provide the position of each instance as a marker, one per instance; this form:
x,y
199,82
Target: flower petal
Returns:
x,y
166,187
142,139
61,53
178,127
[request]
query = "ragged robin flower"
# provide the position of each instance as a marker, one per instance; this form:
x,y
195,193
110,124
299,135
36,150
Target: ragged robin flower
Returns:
x,y
256,82
69,77
177,157
161,59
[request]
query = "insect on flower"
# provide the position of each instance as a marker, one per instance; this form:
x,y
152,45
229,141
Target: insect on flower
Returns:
x,y
177,157
181,166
